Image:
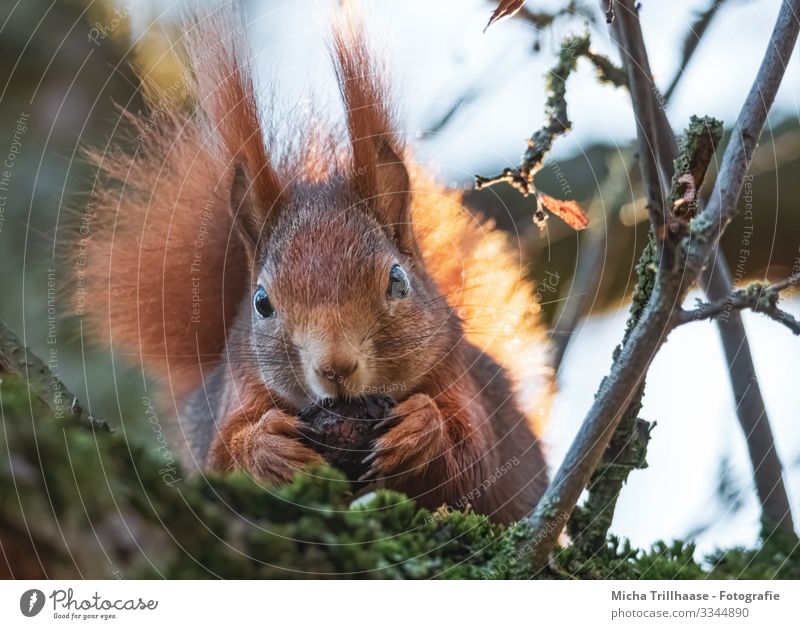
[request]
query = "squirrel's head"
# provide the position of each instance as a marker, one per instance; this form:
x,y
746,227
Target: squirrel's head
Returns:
x,y
340,304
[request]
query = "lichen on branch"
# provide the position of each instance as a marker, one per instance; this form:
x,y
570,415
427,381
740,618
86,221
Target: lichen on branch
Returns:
x,y
627,448
557,123
759,297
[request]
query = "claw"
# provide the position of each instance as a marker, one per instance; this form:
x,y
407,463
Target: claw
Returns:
x,y
308,429
367,477
368,458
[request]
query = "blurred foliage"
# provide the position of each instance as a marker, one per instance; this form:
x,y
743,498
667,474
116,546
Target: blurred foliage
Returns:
x,y
69,85
76,503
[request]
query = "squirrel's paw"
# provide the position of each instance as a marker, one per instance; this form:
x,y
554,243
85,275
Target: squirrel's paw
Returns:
x,y
415,437
270,449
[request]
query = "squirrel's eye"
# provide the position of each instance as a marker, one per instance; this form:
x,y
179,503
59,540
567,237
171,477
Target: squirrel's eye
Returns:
x,y
262,304
399,284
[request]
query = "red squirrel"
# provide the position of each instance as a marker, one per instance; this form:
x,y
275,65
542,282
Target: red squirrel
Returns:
x,y
258,270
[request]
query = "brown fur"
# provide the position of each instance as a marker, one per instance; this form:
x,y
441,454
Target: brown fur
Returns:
x,y
319,228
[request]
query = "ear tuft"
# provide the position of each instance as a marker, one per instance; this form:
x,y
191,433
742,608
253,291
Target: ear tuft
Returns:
x,y
377,160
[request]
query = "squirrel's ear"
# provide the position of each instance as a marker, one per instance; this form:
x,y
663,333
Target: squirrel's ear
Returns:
x,y
381,174
393,197
244,212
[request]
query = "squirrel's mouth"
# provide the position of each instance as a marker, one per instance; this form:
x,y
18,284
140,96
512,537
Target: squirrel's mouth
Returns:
x,y
342,379
326,389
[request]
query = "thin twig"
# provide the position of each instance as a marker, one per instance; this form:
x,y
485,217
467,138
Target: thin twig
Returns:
x,y
627,447
686,178
542,19
749,401
610,11
758,297
750,406
628,36
538,19
715,278
557,121
689,172
607,71
696,31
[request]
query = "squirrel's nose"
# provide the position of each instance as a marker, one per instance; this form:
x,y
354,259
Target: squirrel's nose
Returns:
x,y
336,369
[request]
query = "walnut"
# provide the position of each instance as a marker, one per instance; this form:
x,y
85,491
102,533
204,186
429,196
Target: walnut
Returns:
x,y
343,430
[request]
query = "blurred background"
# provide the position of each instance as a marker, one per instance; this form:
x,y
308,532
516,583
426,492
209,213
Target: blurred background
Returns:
x,y
470,100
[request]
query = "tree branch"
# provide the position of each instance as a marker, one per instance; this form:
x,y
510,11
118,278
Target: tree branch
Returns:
x,y
538,19
685,178
543,19
628,446
610,14
16,358
588,265
628,35
660,314
750,407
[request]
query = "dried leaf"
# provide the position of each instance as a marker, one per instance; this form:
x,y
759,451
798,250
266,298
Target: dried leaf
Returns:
x,y
506,8
568,211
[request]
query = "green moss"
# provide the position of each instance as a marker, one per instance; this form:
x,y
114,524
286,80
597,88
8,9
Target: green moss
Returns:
x,y
777,557
96,505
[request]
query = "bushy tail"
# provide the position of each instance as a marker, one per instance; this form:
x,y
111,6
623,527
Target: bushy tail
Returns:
x,y
160,271
481,273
